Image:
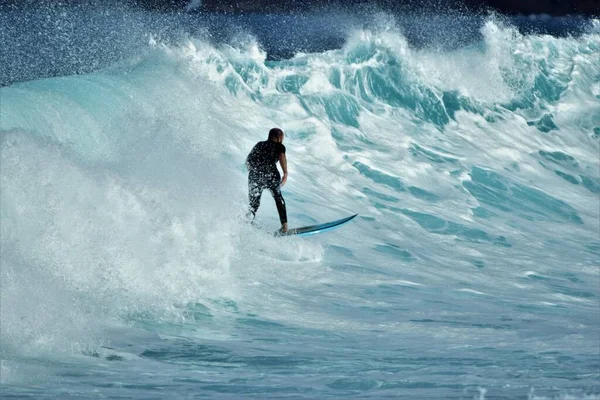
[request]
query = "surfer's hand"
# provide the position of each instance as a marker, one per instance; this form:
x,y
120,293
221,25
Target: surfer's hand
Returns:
x,y
284,179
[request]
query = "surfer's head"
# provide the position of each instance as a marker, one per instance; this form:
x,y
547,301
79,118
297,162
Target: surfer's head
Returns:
x,y
276,135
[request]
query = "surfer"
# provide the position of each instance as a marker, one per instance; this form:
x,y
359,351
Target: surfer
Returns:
x,y
263,174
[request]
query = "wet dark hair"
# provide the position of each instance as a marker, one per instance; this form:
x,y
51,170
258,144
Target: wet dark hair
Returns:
x,y
275,133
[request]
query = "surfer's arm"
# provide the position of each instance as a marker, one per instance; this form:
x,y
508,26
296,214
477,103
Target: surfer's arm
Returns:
x,y
283,163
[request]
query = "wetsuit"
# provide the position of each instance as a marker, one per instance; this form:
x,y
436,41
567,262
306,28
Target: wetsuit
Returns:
x,y
263,174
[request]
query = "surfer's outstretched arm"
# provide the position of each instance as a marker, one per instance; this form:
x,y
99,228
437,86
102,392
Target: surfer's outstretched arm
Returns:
x,y
283,163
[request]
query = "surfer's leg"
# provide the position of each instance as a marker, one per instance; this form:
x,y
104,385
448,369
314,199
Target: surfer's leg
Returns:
x,y
280,203
254,194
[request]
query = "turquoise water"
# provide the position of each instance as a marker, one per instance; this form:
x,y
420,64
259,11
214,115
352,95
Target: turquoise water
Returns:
x,y
472,270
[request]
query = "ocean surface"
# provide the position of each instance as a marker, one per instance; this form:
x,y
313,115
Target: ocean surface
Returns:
x,y
468,146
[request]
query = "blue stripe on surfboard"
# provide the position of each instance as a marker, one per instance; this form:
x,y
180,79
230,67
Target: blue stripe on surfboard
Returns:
x,y
311,230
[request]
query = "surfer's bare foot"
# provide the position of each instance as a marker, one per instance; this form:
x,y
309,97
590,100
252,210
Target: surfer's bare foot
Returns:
x,y
284,228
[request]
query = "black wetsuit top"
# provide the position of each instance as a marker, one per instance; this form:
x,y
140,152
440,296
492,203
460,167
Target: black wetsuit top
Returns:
x,y
263,158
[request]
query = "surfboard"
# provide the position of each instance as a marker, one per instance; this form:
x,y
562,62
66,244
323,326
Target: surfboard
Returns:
x,y
313,229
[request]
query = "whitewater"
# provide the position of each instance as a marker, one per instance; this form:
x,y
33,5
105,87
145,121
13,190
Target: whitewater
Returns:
x,y
472,270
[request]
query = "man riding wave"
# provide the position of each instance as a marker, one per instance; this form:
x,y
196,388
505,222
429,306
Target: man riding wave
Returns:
x,y
263,174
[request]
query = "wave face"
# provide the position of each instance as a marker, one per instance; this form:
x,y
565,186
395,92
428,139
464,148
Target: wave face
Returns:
x,y
471,271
